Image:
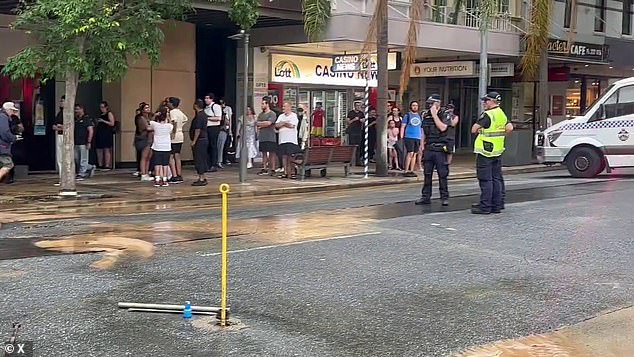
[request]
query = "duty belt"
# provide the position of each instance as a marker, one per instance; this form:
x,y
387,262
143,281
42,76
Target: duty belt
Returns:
x,y
441,147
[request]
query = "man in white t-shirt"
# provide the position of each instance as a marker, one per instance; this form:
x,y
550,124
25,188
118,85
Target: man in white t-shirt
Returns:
x,y
214,117
225,137
286,125
178,119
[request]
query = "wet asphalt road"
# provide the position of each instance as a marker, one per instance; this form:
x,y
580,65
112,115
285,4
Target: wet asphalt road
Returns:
x,y
364,274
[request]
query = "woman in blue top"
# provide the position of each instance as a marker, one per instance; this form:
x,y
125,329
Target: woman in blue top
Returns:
x,y
411,133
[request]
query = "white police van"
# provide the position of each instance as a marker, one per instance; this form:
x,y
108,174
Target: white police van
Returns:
x,y
602,138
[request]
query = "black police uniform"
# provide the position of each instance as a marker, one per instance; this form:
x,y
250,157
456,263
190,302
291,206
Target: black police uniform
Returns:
x,y
435,156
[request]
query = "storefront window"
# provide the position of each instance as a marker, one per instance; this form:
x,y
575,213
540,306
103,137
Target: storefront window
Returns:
x,y
599,17
580,95
10,90
525,93
290,96
573,99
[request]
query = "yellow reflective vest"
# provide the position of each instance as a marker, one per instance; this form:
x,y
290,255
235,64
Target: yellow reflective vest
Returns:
x,y
490,142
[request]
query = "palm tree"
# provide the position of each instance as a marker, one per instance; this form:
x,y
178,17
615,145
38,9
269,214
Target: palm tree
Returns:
x,y
316,15
377,38
534,63
409,55
535,60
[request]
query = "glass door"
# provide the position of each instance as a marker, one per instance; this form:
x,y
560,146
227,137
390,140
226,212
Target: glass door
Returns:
x,y
342,112
471,110
304,102
290,96
330,106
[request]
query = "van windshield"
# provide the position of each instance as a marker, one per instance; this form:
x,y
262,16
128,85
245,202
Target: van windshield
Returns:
x,y
592,106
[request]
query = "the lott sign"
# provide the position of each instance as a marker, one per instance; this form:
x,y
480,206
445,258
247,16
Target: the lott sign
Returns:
x,y
314,70
442,69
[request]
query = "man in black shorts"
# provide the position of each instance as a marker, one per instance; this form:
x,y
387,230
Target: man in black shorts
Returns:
x,y
198,136
411,134
355,131
286,124
267,138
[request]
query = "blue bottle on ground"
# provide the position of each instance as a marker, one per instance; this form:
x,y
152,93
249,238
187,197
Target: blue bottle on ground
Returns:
x,y
187,312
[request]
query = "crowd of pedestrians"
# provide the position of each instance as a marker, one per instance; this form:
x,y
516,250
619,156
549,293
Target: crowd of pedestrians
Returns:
x,y
159,138
405,135
93,139
279,137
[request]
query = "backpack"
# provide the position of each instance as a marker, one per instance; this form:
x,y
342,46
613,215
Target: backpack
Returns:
x,y
405,119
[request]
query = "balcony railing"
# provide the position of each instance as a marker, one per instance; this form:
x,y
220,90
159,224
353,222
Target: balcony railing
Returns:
x,y
469,18
503,21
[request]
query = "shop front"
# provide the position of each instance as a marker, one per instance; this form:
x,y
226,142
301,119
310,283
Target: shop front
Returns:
x,y
577,75
310,82
580,71
36,103
457,83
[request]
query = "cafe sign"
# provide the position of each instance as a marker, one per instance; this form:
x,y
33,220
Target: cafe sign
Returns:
x,y
577,50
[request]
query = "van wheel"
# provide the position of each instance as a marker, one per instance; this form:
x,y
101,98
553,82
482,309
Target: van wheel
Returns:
x,y
585,162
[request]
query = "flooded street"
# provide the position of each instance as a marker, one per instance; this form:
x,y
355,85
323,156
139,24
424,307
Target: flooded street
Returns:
x,y
331,274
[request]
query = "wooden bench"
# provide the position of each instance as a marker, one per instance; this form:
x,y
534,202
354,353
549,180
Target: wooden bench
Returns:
x,y
322,157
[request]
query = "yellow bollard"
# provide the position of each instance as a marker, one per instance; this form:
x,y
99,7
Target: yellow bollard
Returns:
x,y
224,190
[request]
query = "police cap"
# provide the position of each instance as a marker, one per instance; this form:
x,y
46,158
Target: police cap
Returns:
x,y
492,96
433,98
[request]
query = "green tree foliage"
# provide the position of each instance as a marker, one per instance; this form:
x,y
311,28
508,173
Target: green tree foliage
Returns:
x,y
84,40
94,39
244,13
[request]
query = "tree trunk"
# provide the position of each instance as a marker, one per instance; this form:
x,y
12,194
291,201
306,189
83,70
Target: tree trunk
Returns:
x,y
382,96
544,95
67,183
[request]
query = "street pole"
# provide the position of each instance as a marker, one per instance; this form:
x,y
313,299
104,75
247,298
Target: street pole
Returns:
x,y
484,63
244,151
366,103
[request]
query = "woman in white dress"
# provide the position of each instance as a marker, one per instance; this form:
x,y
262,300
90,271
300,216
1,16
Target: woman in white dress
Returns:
x,y
251,136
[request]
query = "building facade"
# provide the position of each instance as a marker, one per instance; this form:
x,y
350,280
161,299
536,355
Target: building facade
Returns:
x,y
198,57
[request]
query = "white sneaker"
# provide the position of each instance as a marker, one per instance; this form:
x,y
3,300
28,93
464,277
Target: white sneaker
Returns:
x,y
136,174
249,165
146,178
280,170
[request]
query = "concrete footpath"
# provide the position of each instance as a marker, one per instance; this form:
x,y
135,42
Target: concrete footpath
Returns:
x,y
608,335
120,184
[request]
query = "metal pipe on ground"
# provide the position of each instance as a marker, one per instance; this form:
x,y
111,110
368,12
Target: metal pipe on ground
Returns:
x,y
134,305
172,311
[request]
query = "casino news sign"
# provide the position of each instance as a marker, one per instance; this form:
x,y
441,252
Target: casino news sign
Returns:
x,y
314,70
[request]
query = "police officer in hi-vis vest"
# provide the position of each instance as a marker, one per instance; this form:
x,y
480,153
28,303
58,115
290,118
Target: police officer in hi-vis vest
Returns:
x,y
492,127
435,126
